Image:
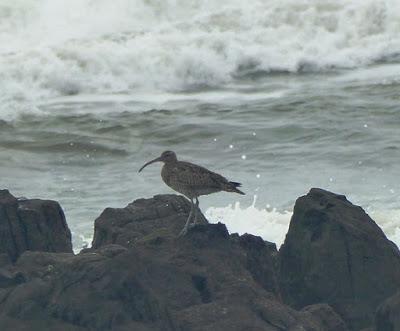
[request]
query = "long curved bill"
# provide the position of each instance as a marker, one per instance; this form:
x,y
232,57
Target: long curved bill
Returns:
x,y
158,159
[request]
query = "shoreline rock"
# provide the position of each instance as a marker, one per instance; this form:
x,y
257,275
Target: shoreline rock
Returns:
x,y
335,253
139,275
31,225
162,216
388,314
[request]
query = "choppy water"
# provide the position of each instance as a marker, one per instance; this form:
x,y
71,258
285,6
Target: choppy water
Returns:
x,y
280,95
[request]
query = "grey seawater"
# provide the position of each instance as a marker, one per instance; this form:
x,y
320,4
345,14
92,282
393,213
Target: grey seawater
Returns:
x,y
279,134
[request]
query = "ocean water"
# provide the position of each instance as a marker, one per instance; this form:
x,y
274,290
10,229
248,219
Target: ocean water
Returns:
x,y
279,95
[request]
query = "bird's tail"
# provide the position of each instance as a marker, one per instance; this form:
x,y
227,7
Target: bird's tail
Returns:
x,y
233,187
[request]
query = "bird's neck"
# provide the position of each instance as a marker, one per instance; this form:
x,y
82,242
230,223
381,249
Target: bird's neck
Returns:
x,y
170,163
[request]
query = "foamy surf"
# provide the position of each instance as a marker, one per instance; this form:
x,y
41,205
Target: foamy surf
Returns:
x,y
58,48
268,223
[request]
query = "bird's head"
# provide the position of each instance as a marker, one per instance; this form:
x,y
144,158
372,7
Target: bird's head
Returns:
x,y
166,157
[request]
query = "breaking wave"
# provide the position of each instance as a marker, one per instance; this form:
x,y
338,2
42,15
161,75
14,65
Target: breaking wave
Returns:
x,y
54,48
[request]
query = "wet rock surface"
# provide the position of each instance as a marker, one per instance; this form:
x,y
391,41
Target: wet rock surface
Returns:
x,y
140,276
335,253
31,225
162,216
388,314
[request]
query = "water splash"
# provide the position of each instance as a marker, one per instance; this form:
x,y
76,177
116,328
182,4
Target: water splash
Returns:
x,y
267,222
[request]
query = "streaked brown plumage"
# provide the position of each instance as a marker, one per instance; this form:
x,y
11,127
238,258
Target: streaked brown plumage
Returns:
x,y
191,180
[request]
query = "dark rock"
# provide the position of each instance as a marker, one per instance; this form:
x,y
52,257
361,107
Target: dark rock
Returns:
x,y
35,225
160,217
206,280
9,278
135,291
40,264
261,262
388,315
4,259
335,253
326,316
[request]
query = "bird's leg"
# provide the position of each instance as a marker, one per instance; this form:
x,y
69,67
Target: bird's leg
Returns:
x,y
184,230
196,212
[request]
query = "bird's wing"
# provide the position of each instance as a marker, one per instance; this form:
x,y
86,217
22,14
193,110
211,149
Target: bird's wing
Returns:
x,y
196,176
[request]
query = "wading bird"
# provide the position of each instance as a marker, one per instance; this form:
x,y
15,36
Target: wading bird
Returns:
x,y
191,180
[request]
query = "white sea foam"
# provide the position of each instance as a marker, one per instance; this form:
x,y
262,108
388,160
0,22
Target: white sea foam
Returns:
x,y
273,225
53,48
267,223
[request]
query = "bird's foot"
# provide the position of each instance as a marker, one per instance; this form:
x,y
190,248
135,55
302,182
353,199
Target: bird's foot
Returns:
x,y
185,229
183,232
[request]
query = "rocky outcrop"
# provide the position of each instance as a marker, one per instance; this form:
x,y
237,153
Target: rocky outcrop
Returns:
x,y
326,316
162,216
388,315
335,253
140,276
334,270
31,225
